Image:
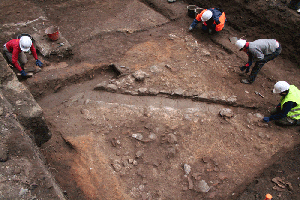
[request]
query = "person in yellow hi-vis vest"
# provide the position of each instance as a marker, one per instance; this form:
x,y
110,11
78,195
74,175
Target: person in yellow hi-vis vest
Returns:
x,y
287,112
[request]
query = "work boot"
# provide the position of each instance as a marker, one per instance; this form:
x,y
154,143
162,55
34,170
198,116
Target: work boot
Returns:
x,y
286,122
245,81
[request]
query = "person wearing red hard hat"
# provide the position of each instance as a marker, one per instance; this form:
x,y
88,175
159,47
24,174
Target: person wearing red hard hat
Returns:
x,y
213,20
287,112
14,50
259,51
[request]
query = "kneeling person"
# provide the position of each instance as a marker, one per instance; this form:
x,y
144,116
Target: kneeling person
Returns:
x,y
287,112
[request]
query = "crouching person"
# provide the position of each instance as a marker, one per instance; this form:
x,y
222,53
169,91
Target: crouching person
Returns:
x,y
287,112
13,52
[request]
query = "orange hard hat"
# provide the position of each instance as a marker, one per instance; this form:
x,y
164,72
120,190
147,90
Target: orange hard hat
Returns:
x,y
268,196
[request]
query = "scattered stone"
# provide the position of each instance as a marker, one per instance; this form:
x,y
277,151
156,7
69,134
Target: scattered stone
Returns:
x,y
135,163
139,154
140,75
130,161
278,188
232,99
258,115
152,136
178,92
205,52
1,111
226,112
155,69
84,111
101,86
137,136
191,185
23,191
172,139
165,92
142,91
201,186
116,165
153,92
168,67
187,169
57,88
111,88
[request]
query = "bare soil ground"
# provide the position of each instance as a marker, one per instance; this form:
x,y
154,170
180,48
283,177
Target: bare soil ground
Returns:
x,y
93,153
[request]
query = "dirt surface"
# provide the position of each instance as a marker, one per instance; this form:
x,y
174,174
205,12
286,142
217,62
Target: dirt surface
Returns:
x,y
139,141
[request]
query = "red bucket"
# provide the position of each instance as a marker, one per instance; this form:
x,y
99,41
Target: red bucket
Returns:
x,y
52,32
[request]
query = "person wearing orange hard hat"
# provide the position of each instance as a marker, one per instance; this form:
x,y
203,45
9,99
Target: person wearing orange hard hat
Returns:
x,y
287,112
213,20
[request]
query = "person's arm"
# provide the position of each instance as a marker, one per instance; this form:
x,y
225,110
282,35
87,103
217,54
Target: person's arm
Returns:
x,y
15,56
33,51
196,20
287,107
257,55
194,24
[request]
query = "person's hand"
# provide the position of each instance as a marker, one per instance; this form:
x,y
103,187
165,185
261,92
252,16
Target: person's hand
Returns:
x,y
266,119
190,28
247,70
23,73
38,63
243,68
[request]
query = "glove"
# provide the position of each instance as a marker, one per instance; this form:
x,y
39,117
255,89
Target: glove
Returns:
x,y
38,63
190,28
266,119
245,68
23,73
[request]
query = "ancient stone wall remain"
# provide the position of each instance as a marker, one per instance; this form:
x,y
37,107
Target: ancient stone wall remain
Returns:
x,y
22,128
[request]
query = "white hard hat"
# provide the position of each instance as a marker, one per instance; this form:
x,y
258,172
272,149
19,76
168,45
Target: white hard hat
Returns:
x,y
206,15
281,86
240,43
25,43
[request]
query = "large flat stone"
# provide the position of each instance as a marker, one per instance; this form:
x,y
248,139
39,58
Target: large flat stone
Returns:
x,y
46,47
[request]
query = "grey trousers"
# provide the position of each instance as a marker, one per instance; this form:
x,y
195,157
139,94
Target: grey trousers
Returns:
x,y
22,59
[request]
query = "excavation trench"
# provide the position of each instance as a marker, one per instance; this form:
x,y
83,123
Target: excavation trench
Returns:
x,y
137,145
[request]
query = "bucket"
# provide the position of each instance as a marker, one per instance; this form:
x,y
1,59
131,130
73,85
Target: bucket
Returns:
x,y
52,32
198,10
191,11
